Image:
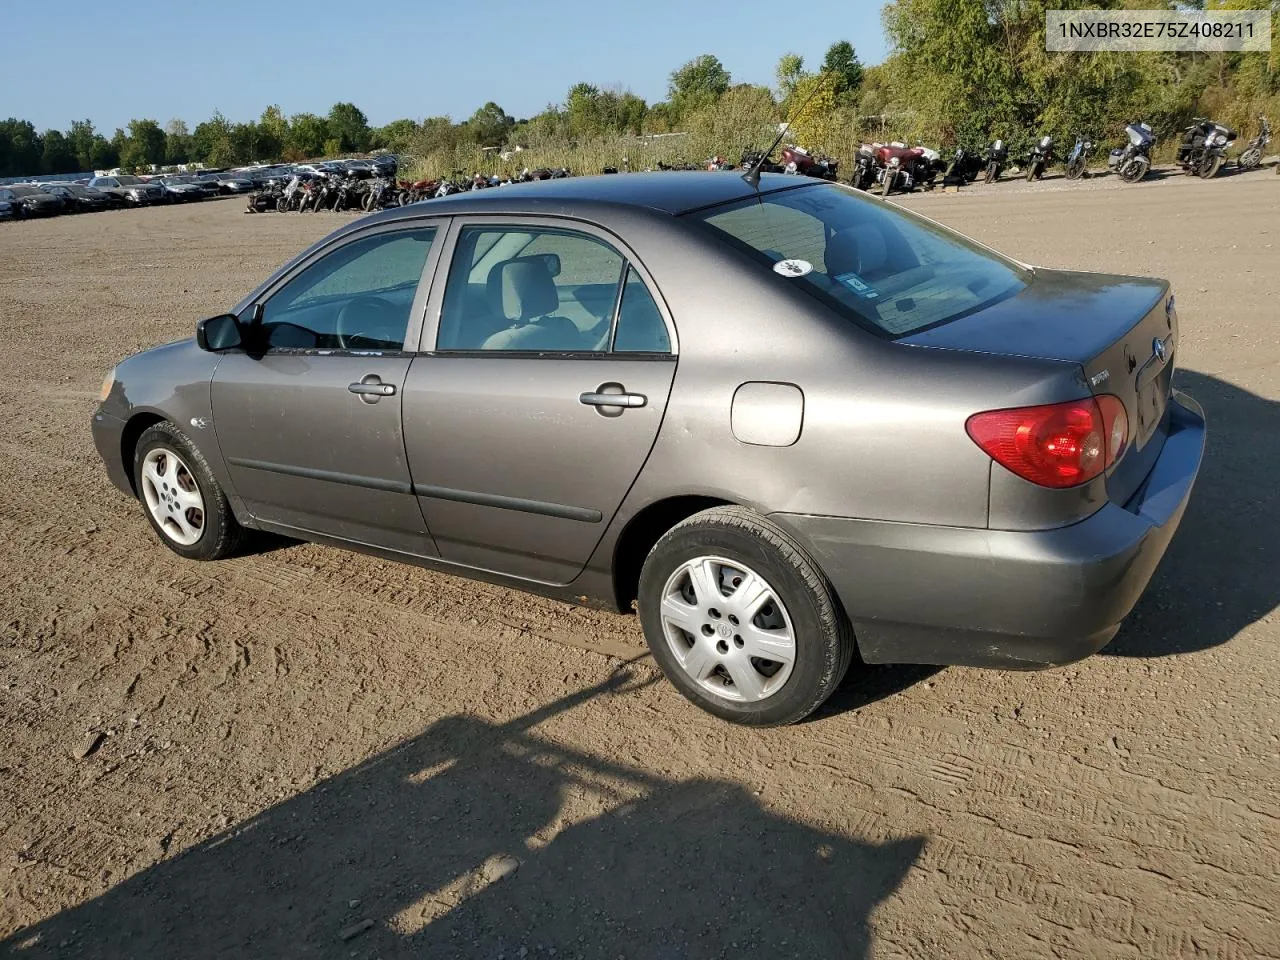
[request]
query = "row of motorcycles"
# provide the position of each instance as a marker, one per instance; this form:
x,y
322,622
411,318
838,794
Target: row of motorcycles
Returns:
x,y
884,167
307,191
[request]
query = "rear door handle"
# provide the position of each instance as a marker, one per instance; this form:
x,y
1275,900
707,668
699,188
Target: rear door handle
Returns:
x,y
613,399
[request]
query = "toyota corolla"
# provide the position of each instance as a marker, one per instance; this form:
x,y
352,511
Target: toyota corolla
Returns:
x,y
791,425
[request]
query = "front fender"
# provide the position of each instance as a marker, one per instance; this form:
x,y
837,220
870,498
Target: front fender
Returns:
x,y
171,382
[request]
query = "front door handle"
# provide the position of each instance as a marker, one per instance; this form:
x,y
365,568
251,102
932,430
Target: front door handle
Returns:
x,y
613,399
371,389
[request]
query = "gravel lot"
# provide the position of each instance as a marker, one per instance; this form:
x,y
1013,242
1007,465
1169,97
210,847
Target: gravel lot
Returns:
x,y
305,752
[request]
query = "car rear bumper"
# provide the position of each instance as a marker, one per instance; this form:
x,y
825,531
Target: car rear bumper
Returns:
x,y
108,432
992,598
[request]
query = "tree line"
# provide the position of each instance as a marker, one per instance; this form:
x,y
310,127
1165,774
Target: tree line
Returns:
x,y
587,111
958,71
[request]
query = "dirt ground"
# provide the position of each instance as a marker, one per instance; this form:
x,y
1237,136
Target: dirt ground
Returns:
x,y
305,752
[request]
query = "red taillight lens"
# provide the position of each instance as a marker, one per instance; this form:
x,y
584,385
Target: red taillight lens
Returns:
x,y
1057,444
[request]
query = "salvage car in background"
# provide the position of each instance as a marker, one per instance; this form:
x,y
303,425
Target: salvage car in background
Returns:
x,y
130,189
879,438
28,200
80,199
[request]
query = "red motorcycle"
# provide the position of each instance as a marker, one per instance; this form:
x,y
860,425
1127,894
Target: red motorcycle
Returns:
x,y
799,160
902,167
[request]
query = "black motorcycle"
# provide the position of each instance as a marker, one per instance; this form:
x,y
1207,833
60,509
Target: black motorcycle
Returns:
x,y
1203,149
996,157
1252,155
1078,159
1132,162
1040,157
383,194
964,167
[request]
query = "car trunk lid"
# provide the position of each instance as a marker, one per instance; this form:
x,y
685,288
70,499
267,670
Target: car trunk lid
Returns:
x,y
1122,331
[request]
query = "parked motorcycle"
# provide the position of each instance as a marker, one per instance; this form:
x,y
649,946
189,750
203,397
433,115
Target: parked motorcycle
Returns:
x,y
1078,159
1252,155
1040,157
383,193
1132,161
997,156
899,167
963,167
1203,149
864,168
799,160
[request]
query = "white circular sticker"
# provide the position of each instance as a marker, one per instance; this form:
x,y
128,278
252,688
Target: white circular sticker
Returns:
x,y
793,268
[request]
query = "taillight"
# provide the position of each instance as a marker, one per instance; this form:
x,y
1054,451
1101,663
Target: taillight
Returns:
x,y
1057,444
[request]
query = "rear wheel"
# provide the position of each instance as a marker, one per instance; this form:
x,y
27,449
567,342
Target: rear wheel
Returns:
x,y
182,500
741,620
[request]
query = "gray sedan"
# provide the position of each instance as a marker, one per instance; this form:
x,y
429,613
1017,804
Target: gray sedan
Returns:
x,y
791,425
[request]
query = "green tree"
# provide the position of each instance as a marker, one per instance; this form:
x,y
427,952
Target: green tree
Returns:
x,y
789,72
179,144
307,136
843,64
103,154
147,143
81,139
699,82
58,157
349,126
490,125
20,148
273,126
213,137
396,136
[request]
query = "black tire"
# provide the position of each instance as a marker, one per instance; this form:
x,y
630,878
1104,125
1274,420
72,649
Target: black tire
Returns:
x,y
991,175
1209,166
1032,171
221,534
1075,169
823,638
886,186
1250,159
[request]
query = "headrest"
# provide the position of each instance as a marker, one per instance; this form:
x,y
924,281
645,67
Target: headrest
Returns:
x,y
860,250
523,288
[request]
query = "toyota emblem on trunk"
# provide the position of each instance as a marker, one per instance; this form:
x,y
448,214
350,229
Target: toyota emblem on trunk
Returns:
x,y
1159,349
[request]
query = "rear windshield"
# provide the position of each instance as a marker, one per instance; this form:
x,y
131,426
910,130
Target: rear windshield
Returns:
x,y
23,191
883,267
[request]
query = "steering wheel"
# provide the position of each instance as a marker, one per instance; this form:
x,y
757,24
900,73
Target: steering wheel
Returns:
x,y
361,318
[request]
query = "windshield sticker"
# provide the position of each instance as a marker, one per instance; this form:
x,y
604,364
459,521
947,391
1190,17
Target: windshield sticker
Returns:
x,y
858,285
793,268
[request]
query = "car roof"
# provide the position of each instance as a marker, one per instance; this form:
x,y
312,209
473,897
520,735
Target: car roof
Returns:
x,y
672,192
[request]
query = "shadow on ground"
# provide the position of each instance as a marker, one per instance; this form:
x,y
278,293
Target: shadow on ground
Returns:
x,y
1222,571
665,871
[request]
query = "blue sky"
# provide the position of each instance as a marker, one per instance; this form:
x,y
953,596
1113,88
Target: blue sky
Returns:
x,y
390,59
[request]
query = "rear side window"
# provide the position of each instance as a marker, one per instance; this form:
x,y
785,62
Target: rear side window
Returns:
x,y
888,270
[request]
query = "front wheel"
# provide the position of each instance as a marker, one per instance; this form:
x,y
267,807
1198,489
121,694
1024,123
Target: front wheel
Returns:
x,y
887,183
1135,169
1075,169
180,496
1250,159
741,620
993,173
1209,166
1032,171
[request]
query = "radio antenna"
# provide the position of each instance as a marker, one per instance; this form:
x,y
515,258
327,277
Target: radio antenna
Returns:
x,y
752,176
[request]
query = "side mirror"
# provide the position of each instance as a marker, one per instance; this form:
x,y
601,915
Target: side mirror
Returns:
x,y
216,334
